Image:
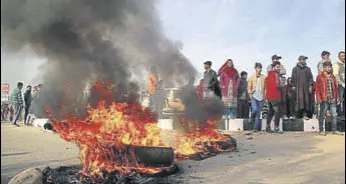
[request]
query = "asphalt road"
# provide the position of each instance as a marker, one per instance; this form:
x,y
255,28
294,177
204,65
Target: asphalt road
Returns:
x,y
260,158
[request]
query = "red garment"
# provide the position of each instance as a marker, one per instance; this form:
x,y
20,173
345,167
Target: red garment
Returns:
x,y
230,71
272,88
321,88
228,74
200,89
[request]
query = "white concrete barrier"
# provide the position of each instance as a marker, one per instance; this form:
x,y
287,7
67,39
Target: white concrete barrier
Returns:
x,y
165,124
311,125
40,122
235,124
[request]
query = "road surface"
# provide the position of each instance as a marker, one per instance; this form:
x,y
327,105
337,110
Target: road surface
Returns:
x,y
260,159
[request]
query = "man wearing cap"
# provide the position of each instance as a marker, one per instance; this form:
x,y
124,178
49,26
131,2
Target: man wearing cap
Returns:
x,y
256,90
325,58
327,95
282,69
210,82
301,83
282,72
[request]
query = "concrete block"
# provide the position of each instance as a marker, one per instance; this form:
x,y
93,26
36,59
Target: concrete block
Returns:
x,y
165,124
236,124
248,125
40,122
29,176
293,125
311,125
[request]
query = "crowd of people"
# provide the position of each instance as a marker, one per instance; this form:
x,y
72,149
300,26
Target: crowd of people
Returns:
x,y
294,97
243,97
22,107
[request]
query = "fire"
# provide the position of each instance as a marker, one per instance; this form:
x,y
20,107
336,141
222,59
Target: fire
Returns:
x,y
108,134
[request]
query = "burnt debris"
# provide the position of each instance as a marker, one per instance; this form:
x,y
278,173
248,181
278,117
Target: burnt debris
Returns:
x,y
71,175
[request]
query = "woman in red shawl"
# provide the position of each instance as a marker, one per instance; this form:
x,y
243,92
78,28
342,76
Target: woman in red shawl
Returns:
x,y
229,81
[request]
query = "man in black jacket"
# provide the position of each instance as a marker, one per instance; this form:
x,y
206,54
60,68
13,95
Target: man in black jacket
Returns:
x,y
27,102
210,83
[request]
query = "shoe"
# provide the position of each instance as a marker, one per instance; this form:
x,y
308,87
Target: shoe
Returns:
x,y
268,129
285,117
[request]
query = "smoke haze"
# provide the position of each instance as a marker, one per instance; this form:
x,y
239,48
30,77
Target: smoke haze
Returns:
x,y
112,41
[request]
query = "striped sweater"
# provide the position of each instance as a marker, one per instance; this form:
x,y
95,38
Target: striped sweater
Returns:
x,y
16,96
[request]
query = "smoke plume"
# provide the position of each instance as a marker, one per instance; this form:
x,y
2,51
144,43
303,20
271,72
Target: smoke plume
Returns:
x,y
110,40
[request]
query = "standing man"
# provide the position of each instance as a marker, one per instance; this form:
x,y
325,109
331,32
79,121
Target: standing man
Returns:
x,y
276,58
243,97
339,73
152,81
27,101
256,90
273,96
17,101
210,82
301,83
327,95
325,58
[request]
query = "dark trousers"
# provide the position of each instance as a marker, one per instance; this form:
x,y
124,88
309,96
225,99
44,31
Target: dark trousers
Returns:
x,y
243,109
274,111
341,106
17,113
26,120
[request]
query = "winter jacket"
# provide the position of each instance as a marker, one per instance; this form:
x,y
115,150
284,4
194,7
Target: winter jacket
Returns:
x,y
321,88
252,83
339,72
273,91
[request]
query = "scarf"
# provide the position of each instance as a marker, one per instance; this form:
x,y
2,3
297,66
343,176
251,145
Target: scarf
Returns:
x,y
301,65
229,71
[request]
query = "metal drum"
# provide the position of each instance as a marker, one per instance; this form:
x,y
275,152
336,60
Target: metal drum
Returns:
x,y
173,104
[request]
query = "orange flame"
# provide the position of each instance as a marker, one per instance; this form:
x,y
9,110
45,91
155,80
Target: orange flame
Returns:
x,y
107,133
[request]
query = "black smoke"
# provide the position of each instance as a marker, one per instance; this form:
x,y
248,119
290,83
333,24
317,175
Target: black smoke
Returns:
x,y
85,40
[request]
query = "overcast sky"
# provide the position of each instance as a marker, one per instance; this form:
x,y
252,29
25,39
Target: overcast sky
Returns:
x,y
247,31
250,31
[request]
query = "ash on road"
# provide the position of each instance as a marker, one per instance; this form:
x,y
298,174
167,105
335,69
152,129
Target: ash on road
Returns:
x,y
260,159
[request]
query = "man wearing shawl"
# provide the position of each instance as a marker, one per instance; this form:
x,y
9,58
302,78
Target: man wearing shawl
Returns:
x,y
301,83
229,82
